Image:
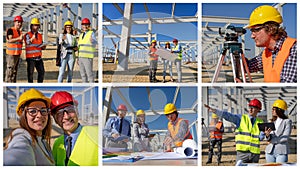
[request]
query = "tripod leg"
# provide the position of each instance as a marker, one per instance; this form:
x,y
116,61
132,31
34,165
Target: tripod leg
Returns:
x,y
218,68
242,69
233,67
246,67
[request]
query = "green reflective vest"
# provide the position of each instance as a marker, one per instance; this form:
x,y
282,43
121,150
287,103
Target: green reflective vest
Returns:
x,y
247,136
85,47
176,48
85,151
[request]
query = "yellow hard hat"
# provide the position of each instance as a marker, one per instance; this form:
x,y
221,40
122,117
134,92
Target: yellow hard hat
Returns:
x,y
280,104
169,108
28,95
153,41
167,43
263,14
68,23
140,112
214,116
35,21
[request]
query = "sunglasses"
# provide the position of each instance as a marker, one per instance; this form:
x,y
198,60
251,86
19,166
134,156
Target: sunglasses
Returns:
x,y
34,111
257,29
69,109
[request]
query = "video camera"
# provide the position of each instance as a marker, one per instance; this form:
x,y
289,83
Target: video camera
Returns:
x,y
232,33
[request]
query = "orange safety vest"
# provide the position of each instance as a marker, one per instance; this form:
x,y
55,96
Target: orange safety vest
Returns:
x,y
272,72
33,49
14,48
153,56
173,129
216,134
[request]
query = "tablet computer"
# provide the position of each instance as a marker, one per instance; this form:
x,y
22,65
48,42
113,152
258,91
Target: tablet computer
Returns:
x,y
262,126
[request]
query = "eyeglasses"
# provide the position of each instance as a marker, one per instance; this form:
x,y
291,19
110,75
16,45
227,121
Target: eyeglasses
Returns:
x,y
34,111
252,107
257,29
69,109
69,27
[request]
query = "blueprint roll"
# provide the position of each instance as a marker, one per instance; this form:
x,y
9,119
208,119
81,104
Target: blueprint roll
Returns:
x,y
186,151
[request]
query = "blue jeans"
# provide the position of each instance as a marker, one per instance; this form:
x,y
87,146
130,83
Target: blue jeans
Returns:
x,y
67,61
278,158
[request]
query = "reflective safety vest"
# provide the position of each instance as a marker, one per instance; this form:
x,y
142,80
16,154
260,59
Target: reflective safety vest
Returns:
x,y
174,129
153,56
176,48
85,47
272,72
216,134
14,48
247,136
33,49
85,151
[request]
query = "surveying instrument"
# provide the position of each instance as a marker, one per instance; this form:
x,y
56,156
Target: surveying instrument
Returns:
x,y
237,57
206,131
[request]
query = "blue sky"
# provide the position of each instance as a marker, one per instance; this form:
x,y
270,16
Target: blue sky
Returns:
x,y
86,12
160,96
244,10
166,32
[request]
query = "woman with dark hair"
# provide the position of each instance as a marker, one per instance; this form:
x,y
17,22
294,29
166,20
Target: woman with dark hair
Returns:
x,y
68,44
29,144
278,148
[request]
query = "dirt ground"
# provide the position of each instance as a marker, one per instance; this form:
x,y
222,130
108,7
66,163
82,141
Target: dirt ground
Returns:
x,y
226,75
229,152
138,73
51,70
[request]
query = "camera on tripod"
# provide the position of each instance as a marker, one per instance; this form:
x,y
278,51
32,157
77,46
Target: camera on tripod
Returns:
x,y
232,33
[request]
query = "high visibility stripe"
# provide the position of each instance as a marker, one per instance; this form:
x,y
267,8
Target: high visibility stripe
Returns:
x,y
247,134
32,49
247,143
14,48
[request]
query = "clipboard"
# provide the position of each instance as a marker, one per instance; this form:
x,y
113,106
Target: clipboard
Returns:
x,y
262,126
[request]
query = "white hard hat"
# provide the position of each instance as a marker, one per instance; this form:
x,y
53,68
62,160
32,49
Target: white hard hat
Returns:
x,y
190,143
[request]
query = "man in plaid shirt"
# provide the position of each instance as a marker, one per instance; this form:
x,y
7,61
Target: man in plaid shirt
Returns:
x,y
279,59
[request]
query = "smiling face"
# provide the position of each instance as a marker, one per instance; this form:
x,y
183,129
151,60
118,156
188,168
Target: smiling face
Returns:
x,y
66,117
253,111
37,121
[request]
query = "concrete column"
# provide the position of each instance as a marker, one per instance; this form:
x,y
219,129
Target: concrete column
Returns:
x,y
125,38
59,20
55,32
149,31
45,27
49,19
69,13
95,14
79,16
82,106
5,108
205,100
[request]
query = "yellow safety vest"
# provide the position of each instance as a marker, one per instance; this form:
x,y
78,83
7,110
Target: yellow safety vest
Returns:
x,y
85,151
247,136
85,47
180,53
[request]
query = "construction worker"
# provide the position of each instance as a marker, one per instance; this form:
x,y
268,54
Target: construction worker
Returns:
x,y
278,148
34,46
279,59
166,64
247,136
141,140
117,129
153,62
29,144
14,42
178,128
68,43
87,50
78,146
216,129
177,49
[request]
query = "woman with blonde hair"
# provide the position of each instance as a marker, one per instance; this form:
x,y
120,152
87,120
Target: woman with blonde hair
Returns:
x,y
29,144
